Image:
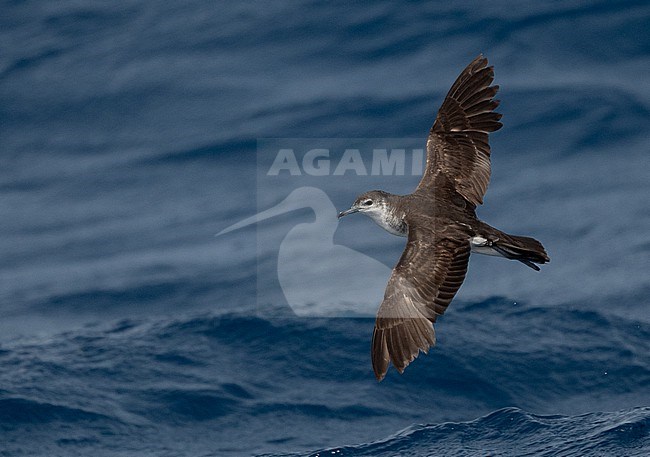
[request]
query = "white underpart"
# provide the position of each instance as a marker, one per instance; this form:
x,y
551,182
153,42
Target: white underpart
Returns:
x,y
480,246
385,220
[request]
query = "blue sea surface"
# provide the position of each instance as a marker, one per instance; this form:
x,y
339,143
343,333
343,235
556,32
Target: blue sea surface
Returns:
x,y
129,136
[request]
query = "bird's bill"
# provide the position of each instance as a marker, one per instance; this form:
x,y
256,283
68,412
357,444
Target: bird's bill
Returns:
x,y
348,211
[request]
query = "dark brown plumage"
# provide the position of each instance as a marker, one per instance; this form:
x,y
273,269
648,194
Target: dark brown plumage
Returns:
x,y
440,221
426,278
458,141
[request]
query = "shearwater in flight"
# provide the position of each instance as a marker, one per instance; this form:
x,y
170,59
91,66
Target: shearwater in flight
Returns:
x,y
440,222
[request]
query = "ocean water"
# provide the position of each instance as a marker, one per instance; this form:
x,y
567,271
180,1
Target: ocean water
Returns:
x,y
130,135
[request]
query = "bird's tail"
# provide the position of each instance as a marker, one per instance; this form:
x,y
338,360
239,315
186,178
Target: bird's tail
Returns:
x,y
527,250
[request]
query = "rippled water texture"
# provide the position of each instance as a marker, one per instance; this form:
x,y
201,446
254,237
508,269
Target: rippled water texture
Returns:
x,y
129,137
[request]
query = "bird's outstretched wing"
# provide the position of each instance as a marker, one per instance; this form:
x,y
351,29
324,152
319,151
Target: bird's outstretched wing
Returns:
x,y
458,143
424,281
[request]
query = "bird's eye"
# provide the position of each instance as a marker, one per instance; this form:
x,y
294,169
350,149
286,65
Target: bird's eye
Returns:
x,y
367,203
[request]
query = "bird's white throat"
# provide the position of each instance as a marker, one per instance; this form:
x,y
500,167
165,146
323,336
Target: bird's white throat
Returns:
x,y
388,220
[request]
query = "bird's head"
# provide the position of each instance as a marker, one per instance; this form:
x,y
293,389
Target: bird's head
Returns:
x,y
370,203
